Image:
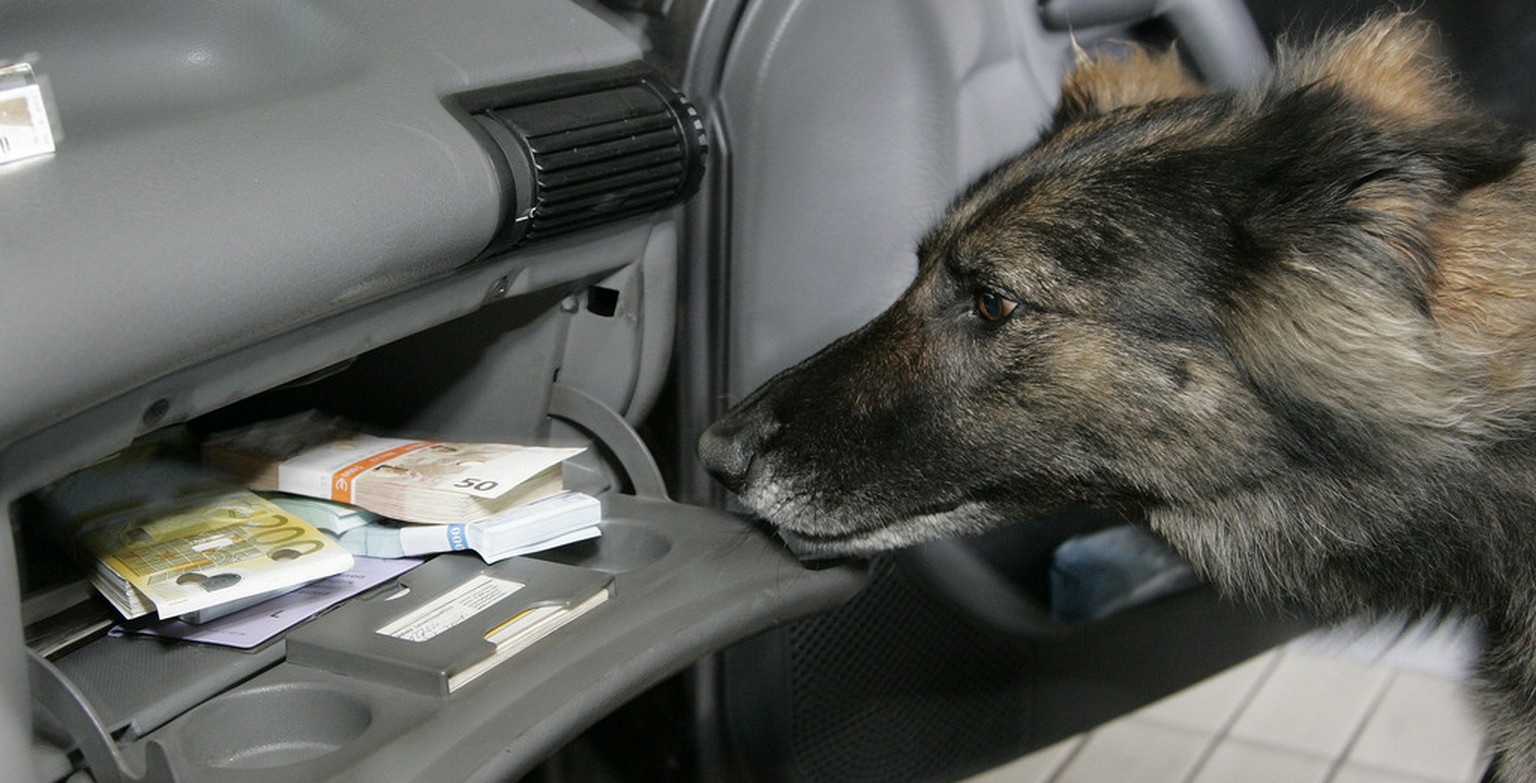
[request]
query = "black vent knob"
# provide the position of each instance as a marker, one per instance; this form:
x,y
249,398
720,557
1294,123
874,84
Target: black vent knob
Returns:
x,y
593,155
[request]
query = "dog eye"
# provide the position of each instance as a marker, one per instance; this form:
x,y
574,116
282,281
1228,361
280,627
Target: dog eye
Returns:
x,y
993,306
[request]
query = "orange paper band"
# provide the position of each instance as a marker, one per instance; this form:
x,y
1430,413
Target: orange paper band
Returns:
x,y
341,482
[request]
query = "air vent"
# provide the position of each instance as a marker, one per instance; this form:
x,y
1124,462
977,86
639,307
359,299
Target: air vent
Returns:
x,y
594,154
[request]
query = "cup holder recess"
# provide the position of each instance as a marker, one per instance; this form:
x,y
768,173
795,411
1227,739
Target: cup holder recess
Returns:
x,y
272,726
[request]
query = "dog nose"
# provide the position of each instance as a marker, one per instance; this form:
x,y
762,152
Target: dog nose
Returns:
x,y
728,448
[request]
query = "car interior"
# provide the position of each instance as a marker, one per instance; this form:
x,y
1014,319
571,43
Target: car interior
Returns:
x,y
575,222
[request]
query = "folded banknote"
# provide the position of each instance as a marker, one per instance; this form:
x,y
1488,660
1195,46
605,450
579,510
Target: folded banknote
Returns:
x,y
166,536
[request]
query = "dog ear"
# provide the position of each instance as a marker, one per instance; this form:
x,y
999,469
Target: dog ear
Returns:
x,y
1353,153
1390,63
1102,84
1367,125
1391,66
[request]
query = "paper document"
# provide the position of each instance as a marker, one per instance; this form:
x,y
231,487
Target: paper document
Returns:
x,y
257,624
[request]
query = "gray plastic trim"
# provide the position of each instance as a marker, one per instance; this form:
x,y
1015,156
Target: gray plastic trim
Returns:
x,y
686,582
615,434
108,762
1219,35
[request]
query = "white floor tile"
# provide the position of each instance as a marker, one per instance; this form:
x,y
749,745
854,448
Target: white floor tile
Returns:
x,y
1237,761
1354,773
1037,767
1212,704
1425,726
1136,750
1311,704
1388,699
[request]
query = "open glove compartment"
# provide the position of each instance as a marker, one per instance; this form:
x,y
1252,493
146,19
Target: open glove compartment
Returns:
x,y
458,221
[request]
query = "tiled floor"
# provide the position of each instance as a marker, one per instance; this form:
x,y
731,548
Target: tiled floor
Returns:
x,y
1350,705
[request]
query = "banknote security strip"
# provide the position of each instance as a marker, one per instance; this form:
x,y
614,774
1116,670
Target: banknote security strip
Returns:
x,y
25,128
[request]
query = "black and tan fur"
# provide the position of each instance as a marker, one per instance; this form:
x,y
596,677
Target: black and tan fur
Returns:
x,y
1295,324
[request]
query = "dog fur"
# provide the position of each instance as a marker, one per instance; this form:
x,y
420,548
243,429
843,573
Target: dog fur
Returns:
x,y
1294,324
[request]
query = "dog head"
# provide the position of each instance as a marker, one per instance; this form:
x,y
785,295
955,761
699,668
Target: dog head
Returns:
x,y
1175,293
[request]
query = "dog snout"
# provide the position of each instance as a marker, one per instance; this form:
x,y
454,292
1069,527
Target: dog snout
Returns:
x,y
731,444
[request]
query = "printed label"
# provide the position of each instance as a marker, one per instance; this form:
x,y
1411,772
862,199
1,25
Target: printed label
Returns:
x,y
451,608
24,127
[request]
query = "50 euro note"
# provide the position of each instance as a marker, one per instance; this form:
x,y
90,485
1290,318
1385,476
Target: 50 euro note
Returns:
x,y
422,481
165,537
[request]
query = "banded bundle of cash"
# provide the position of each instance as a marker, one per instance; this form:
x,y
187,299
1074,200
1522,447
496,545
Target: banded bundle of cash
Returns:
x,y
409,480
543,524
167,537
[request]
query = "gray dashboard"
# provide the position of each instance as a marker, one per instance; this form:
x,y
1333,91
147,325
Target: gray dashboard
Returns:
x,y
230,171
246,195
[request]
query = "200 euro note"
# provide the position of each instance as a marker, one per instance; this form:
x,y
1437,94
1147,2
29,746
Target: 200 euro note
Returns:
x,y
166,538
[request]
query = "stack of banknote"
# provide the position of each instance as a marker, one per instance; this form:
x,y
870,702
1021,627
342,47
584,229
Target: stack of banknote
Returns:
x,y
164,536
282,503
402,479
557,520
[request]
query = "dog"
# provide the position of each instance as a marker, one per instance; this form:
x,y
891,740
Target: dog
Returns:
x,y
1293,324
